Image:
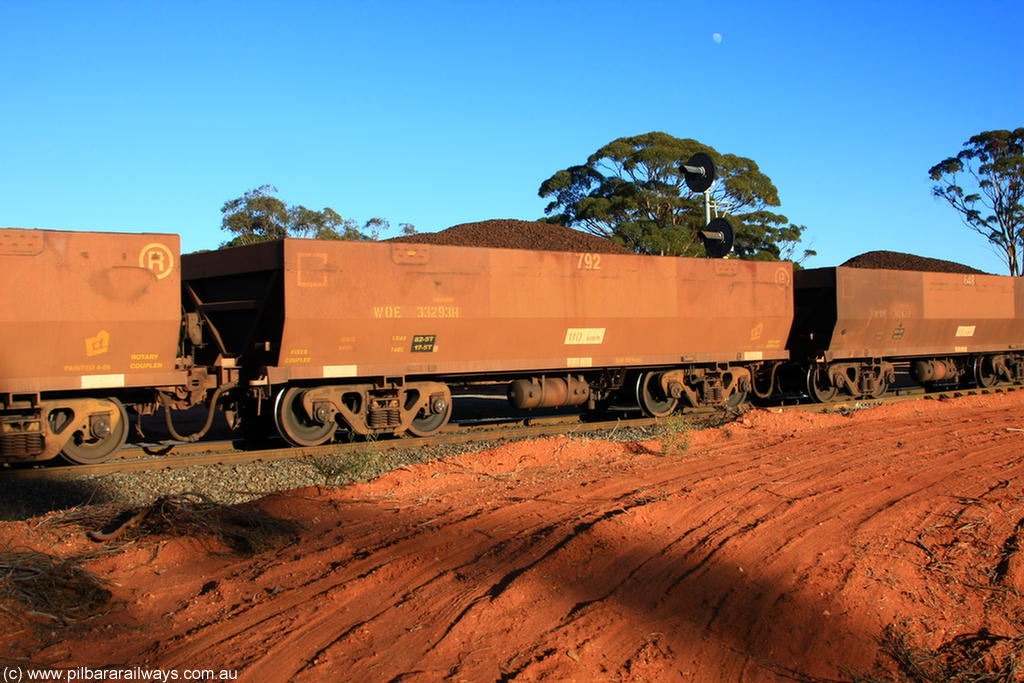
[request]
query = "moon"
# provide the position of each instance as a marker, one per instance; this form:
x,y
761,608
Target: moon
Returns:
x,y
717,37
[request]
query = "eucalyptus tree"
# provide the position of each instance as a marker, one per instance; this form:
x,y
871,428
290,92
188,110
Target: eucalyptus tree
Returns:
x,y
259,216
633,191
985,184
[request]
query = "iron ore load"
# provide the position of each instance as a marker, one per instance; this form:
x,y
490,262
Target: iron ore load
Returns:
x,y
306,338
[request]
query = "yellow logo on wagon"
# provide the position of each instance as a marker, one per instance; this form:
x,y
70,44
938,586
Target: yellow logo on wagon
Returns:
x,y
97,345
158,259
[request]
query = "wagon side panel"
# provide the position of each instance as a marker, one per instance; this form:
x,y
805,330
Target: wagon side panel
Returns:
x,y
362,310
891,313
87,310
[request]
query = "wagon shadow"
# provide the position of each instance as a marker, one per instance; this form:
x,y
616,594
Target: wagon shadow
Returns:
x,y
26,498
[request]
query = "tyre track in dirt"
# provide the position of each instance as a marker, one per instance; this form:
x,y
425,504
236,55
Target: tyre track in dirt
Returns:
x,y
408,547
700,547
775,543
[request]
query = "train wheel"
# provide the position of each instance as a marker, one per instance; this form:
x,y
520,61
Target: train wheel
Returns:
x,y
294,425
97,442
819,386
651,398
984,374
881,386
428,424
736,399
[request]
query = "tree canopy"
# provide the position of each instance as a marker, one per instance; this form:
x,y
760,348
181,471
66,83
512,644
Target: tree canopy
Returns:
x,y
259,216
633,192
985,184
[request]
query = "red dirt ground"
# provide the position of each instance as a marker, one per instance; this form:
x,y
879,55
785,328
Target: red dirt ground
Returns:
x,y
779,545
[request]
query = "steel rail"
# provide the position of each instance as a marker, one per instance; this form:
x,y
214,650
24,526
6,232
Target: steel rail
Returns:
x,y
224,452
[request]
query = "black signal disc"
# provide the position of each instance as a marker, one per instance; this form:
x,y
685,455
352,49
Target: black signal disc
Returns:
x,y
699,182
715,246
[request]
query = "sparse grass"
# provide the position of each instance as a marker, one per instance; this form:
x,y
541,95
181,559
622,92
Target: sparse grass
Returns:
x,y
965,552
244,531
980,657
674,433
724,415
343,468
37,584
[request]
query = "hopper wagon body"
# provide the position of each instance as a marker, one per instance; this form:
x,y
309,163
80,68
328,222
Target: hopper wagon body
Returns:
x,y
89,320
852,324
374,332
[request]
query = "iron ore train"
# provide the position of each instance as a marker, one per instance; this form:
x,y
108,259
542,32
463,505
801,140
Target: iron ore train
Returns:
x,y
312,337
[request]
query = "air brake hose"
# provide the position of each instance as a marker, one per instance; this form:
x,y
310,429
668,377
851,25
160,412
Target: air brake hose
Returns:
x,y
209,417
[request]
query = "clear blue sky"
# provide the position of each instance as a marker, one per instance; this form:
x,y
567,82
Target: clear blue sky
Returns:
x,y
148,116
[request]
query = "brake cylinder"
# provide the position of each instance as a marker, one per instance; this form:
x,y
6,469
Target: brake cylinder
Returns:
x,y
933,370
548,392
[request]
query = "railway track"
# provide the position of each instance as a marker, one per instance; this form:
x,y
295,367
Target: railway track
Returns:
x,y
226,453
212,453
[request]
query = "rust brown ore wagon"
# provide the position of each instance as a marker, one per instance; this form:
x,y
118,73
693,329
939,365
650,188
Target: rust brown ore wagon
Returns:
x,y
370,335
316,335
852,324
87,319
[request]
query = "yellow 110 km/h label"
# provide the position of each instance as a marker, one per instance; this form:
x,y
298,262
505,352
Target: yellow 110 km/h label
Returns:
x,y
584,335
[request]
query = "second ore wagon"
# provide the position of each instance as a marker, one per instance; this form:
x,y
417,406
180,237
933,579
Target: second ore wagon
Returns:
x,y
370,336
